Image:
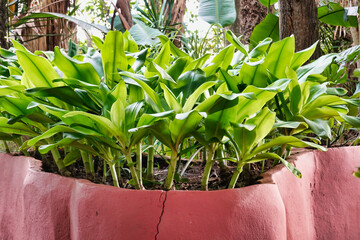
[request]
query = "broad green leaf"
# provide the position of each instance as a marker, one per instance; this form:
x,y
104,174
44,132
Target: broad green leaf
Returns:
x,y
326,112
132,113
7,90
85,25
288,165
320,127
353,121
19,46
178,67
221,60
325,100
114,58
335,15
16,128
264,122
16,106
289,140
280,56
77,97
267,3
174,50
198,63
72,157
155,101
144,35
248,107
189,81
146,120
218,11
315,67
218,120
287,124
43,149
37,69
302,56
140,59
117,114
261,48
296,101
191,100
171,99
246,139
163,58
129,43
75,69
230,36
14,71
184,124
254,73
269,27
120,92
8,54
49,133
102,121
231,82
153,67
162,132
336,91
26,81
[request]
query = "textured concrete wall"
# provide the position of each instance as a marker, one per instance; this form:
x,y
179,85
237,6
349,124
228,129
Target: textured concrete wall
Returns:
x,y
324,204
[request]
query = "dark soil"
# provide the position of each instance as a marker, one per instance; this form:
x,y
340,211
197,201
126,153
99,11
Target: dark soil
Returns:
x,y
191,180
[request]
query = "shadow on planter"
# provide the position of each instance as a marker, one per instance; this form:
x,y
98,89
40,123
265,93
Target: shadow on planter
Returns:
x,y
324,204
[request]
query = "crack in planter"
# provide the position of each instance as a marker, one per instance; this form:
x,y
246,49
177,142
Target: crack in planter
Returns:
x,y
161,215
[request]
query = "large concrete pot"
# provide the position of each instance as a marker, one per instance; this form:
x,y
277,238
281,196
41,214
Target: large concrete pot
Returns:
x,y
324,204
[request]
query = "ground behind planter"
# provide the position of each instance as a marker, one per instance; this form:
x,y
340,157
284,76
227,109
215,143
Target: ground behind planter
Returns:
x,y
324,204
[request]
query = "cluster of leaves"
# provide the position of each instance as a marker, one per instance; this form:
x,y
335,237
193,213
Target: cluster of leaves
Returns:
x,y
331,16
243,105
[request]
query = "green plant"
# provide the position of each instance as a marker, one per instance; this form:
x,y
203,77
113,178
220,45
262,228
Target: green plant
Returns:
x,y
259,102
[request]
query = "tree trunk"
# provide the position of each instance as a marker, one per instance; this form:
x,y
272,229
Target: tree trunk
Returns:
x,y
299,17
124,6
177,17
249,14
3,21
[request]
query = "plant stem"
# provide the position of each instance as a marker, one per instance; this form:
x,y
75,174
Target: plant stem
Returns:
x,y
133,171
7,149
19,142
114,175
203,155
118,168
171,172
104,172
139,162
87,163
59,163
220,155
150,160
207,170
236,174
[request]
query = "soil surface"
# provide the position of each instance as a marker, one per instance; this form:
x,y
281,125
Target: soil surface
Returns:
x,y
191,179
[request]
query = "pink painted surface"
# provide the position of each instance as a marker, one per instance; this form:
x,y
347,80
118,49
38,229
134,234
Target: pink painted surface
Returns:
x,y
324,204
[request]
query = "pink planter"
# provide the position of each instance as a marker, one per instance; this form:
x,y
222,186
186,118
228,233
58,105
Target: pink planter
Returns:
x,y
324,204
